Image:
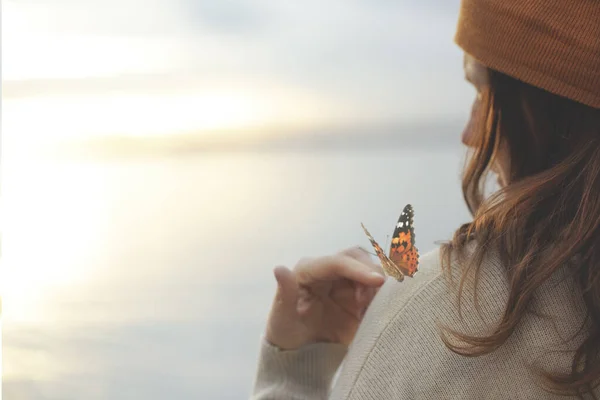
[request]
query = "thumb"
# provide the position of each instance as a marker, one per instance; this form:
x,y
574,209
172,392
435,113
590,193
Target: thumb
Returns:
x,y
287,288
284,328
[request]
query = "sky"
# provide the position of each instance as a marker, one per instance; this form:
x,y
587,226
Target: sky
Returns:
x,y
81,68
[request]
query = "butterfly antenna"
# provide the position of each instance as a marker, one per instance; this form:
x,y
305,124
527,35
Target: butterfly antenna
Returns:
x,y
373,254
387,239
367,251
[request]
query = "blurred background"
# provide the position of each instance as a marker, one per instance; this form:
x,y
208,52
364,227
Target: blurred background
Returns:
x,y
160,157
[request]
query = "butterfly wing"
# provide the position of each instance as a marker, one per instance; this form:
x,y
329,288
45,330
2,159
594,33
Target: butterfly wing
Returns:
x,y
403,252
386,263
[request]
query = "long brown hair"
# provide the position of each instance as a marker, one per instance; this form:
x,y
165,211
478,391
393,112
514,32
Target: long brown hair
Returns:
x,y
547,216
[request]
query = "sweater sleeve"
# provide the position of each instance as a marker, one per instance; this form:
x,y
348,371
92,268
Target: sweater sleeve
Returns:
x,y
305,373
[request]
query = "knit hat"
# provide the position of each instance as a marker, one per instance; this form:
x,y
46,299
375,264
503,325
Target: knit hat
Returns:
x,y
551,44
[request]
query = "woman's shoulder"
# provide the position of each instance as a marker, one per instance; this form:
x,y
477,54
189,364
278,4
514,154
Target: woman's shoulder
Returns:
x,y
401,328
399,344
434,290
398,351
414,308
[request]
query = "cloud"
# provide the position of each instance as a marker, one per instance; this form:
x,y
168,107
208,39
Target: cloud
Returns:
x,y
369,60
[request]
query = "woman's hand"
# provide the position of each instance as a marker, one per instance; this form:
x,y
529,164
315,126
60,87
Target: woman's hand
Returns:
x,y
323,299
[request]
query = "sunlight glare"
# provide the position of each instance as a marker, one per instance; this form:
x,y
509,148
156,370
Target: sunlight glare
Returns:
x,y
51,217
62,118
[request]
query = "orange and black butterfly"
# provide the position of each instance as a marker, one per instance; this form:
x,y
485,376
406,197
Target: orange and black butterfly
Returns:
x,y
404,256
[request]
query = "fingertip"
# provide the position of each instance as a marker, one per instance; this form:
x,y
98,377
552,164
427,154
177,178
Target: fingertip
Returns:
x,y
285,279
368,278
279,272
377,278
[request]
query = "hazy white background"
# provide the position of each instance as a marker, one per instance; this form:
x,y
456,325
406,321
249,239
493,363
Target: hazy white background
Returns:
x,y
275,129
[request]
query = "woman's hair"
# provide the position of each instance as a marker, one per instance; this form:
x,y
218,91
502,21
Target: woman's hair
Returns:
x,y
546,217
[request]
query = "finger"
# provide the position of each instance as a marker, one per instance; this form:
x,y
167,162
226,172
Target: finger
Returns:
x,y
358,253
342,292
344,297
335,267
366,296
287,287
363,295
362,255
360,294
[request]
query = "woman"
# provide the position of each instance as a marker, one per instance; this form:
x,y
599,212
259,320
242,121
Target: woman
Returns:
x,y
510,308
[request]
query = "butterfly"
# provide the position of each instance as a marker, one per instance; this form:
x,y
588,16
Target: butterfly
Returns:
x,y
404,256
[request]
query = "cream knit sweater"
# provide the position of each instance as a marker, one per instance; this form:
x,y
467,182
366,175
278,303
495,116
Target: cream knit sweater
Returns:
x,y
398,354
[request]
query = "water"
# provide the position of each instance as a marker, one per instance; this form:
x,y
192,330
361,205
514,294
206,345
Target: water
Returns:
x,y
152,279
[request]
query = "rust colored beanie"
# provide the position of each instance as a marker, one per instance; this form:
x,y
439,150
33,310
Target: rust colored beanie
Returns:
x,y
551,44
